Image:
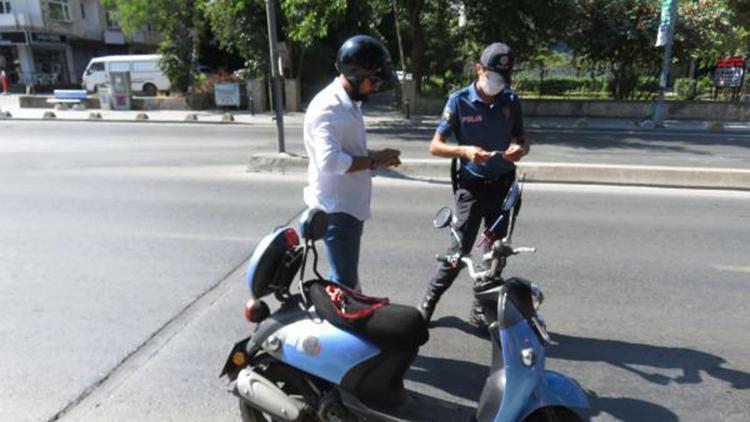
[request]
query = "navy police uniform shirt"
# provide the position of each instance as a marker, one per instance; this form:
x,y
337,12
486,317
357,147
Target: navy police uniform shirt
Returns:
x,y
489,126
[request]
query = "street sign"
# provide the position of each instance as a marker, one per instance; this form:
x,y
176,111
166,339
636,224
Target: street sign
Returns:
x,y
13,38
227,94
729,72
48,38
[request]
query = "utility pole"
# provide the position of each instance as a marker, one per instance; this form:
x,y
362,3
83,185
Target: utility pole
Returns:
x,y
275,77
398,36
665,38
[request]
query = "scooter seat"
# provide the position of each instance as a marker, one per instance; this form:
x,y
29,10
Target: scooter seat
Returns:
x,y
392,327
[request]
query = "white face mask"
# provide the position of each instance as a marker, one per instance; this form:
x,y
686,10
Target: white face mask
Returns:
x,y
492,83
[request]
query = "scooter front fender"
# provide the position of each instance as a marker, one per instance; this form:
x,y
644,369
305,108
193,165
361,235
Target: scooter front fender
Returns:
x,y
557,390
520,380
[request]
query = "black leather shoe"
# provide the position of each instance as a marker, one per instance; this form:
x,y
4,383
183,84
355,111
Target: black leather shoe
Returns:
x,y
426,308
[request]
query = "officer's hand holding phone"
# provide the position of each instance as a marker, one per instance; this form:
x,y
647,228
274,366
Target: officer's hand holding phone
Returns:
x,y
476,155
514,153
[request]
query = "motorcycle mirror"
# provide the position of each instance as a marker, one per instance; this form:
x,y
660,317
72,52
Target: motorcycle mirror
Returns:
x,y
511,199
443,218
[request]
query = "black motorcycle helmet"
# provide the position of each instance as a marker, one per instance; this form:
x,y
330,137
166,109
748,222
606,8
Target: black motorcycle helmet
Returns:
x,y
363,56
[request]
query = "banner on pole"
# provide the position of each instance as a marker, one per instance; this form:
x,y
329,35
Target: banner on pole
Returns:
x,y
665,23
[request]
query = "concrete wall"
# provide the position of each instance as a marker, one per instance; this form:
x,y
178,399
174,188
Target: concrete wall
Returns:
x,y
40,101
257,89
677,110
292,95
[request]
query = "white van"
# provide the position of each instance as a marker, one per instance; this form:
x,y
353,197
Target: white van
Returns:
x,y
145,74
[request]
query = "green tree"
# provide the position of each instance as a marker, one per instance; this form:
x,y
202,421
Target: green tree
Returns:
x,y
709,29
529,27
241,27
178,21
620,36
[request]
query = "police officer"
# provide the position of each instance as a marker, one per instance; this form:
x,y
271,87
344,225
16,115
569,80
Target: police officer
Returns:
x,y
486,120
339,172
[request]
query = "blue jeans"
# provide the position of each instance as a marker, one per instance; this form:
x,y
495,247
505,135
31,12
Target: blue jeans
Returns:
x,y
342,242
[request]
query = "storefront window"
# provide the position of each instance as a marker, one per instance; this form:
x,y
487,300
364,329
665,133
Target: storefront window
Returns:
x,y
8,62
58,10
50,65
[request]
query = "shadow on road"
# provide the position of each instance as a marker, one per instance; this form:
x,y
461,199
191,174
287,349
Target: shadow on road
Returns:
x,y
696,144
459,324
396,174
630,410
631,356
459,378
456,377
403,131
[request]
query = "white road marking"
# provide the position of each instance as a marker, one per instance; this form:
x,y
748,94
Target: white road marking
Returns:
x,y
733,268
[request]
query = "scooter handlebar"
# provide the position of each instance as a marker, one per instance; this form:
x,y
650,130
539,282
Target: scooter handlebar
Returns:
x,y
470,266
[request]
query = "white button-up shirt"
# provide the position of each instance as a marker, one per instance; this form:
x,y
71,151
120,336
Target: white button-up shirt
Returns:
x,y
334,132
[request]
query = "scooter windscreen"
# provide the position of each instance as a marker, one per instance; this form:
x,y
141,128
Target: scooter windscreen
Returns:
x,y
519,292
511,199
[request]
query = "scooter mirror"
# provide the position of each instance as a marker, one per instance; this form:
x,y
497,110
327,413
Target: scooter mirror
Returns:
x,y
443,218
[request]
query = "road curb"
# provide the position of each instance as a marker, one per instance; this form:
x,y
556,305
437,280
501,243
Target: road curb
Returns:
x,y
408,124
571,173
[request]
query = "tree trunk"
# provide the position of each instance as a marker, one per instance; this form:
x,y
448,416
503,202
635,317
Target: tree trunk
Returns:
x,y
418,42
300,63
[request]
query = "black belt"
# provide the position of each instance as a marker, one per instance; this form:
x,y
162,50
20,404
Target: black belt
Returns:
x,y
483,184
470,181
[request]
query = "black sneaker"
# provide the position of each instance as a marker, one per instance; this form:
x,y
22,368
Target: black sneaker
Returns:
x,y
426,308
476,318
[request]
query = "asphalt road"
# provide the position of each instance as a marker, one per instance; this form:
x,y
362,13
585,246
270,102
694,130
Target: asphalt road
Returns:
x,y
121,280
181,144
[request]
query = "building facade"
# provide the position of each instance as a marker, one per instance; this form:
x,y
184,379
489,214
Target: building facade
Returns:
x,y
50,42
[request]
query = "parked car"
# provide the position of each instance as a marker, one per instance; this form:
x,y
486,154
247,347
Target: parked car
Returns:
x,y
146,75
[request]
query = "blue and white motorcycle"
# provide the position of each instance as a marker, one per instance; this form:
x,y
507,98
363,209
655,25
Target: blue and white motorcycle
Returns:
x,y
334,355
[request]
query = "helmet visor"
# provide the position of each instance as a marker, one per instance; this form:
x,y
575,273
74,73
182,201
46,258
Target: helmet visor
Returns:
x,y
386,73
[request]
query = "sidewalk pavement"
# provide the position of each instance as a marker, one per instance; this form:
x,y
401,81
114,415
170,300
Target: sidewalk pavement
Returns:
x,y
438,169
9,103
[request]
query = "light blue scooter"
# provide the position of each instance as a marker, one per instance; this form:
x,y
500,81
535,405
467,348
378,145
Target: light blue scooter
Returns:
x,y
330,354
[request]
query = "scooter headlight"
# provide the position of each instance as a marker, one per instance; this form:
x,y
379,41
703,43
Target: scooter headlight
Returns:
x,y
528,357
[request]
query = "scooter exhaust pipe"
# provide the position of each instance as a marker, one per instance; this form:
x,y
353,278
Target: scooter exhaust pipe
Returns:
x,y
264,395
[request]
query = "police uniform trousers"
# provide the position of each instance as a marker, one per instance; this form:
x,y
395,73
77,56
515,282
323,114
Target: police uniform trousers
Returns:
x,y
477,201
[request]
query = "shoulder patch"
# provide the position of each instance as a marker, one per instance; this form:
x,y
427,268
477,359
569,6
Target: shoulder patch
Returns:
x,y
447,114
